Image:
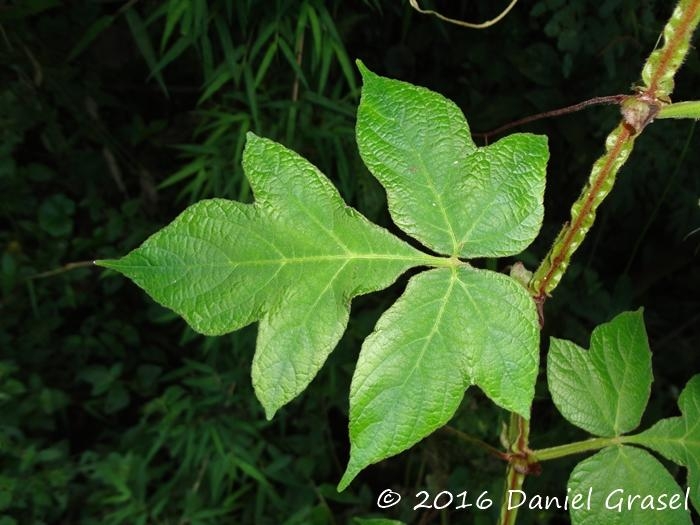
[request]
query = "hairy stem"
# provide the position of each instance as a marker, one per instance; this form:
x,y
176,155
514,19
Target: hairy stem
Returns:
x,y
521,463
661,66
638,111
618,147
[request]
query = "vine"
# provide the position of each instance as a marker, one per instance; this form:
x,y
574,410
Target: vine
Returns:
x,y
638,111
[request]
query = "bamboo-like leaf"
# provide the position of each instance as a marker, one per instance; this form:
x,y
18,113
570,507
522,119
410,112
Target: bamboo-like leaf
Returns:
x,y
143,41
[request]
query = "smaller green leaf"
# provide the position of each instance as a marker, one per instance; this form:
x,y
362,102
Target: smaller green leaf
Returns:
x,y
175,10
603,390
175,51
95,29
678,438
621,485
140,34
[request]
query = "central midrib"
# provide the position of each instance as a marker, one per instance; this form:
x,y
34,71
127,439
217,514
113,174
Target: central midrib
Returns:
x,y
346,257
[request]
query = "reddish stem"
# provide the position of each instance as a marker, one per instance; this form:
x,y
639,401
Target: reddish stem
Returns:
x,y
610,99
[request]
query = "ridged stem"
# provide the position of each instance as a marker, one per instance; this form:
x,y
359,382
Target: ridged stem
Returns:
x,y
638,111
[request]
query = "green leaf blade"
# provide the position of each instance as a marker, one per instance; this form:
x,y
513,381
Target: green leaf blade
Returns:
x,y
603,390
617,473
453,197
452,327
293,261
678,438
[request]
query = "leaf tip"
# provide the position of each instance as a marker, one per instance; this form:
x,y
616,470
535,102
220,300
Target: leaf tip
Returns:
x,y
345,481
251,137
269,412
356,464
364,71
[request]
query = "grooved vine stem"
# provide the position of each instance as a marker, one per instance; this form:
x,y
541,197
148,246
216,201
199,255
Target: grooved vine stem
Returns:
x,y
637,112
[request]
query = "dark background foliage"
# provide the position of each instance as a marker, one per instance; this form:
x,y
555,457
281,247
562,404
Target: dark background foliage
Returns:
x,y
115,115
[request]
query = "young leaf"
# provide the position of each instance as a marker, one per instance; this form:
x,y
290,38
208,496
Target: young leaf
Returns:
x,y
452,328
293,261
678,438
616,474
603,390
453,197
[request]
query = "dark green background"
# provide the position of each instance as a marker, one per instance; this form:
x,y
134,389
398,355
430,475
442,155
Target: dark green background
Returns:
x,y
113,412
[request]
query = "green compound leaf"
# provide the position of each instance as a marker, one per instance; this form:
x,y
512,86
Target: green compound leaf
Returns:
x,y
293,261
452,328
678,438
625,485
603,390
453,197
